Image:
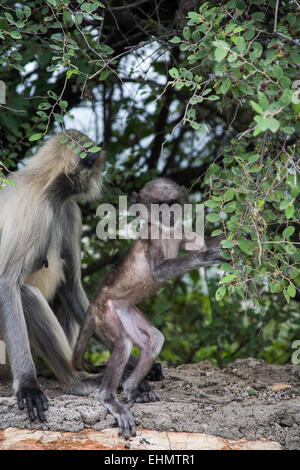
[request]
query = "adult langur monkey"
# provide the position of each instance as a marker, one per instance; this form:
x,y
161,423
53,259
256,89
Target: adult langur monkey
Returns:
x,y
41,296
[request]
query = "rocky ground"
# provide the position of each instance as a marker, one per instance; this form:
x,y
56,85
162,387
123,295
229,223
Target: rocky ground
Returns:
x,y
249,400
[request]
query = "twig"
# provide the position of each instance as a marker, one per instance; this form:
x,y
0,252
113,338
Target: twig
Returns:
x,y
288,38
262,153
277,33
130,5
276,16
11,109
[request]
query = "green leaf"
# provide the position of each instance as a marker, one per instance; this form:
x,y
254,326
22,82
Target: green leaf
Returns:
x,y
289,212
227,268
174,72
186,33
88,144
288,232
16,55
194,16
253,158
245,246
15,34
256,107
58,117
175,40
212,204
229,195
9,17
27,10
294,272
63,139
95,149
228,278
217,232
263,100
286,295
44,106
288,130
88,7
230,207
227,244
221,291
220,54
225,86
284,204
34,137
291,290
42,114
213,217
285,98
52,94
63,104
273,125
275,287
241,44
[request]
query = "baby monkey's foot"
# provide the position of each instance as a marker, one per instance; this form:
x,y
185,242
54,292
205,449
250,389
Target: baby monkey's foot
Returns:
x,y
122,415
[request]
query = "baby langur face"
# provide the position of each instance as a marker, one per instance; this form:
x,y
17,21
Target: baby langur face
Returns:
x,y
166,213
162,203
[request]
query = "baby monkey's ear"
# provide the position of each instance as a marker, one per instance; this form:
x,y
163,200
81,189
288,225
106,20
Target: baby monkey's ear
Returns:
x,y
135,198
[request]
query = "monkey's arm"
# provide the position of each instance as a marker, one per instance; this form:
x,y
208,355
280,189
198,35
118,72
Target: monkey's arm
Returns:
x,y
14,329
165,269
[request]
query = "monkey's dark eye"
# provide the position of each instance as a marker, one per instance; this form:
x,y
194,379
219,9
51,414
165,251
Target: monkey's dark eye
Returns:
x,y
169,202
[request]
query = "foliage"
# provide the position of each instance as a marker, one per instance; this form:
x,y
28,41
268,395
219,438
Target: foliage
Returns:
x,y
253,193
45,35
203,93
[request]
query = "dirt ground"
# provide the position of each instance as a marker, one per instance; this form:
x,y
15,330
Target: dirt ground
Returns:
x,y
248,399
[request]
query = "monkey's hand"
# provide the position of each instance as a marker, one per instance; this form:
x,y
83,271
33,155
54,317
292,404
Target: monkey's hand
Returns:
x,y
122,414
33,397
212,256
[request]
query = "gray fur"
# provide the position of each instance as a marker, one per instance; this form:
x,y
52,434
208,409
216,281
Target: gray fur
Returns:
x,y
40,227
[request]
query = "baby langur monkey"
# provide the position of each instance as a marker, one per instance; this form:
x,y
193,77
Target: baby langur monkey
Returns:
x,y
145,266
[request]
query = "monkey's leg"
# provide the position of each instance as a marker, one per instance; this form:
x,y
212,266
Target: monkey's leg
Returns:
x,y
149,341
155,374
14,329
120,353
49,340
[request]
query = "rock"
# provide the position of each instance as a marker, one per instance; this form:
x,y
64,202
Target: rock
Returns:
x,y
201,406
287,420
278,387
25,439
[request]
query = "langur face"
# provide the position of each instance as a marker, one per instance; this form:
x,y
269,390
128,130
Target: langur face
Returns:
x,y
84,182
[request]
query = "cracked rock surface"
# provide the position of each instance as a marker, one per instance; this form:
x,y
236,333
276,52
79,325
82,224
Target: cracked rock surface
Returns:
x,y
248,403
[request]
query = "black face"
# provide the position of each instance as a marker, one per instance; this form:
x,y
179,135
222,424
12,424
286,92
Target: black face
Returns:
x,y
90,159
170,203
